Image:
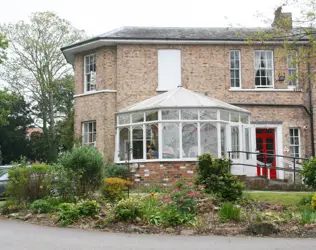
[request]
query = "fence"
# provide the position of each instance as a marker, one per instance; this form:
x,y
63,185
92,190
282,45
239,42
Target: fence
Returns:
x,y
294,163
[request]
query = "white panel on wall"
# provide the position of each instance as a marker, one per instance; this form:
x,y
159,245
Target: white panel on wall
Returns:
x,y
169,69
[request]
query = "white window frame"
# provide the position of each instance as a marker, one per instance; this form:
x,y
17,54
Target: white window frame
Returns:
x,y
94,131
230,69
272,69
289,58
299,141
162,86
87,73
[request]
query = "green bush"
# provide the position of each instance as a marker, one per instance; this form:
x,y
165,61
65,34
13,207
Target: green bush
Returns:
x,y
314,202
41,206
9,207
114,170
172,216
68,213
29,183
86,164
88,208
309,173
215,175
128,209
305,200
229,212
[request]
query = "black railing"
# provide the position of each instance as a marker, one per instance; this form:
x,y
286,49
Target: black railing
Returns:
x,y
267,166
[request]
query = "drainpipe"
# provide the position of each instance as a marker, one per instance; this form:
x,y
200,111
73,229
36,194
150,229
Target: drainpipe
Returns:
x,y
311,107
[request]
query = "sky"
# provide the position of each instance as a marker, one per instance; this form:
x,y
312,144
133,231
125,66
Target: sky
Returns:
x,y
99,16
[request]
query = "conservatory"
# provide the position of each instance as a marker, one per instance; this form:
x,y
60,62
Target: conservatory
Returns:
x,y
179,125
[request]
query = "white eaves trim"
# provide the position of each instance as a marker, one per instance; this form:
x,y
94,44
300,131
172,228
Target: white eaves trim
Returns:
x,y
70,53
96,92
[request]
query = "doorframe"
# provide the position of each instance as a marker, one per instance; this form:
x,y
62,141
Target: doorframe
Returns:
x,y
278,133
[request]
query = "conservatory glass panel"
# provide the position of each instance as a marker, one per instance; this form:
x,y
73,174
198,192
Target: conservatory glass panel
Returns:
x,y
224,115
151,115
208,139
138,149
124,144
124,119
235,141
190,140
170,114
170,141
189,114
223,140
244,119
234,117
137,117
152,145
247,142
208,114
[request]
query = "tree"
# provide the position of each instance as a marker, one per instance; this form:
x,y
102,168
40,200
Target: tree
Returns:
x,y
13,142
36,66
3,46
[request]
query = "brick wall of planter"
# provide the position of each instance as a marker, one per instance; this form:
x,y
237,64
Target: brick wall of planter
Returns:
x,y
162,173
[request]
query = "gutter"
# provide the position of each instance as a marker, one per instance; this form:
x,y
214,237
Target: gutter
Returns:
x,y
309,112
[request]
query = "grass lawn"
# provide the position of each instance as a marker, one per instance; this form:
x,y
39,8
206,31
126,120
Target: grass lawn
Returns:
x,y
284,198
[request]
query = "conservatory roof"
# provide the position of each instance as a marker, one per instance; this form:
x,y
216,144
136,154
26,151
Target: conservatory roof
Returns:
x,y
181,98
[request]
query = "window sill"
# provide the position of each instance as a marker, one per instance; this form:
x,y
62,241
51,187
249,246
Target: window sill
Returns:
x,y
160,160
96,92
162,90
266,90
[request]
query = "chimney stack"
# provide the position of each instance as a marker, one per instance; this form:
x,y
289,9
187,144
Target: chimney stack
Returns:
x,y
282,20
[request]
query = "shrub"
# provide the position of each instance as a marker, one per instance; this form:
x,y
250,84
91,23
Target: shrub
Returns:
x,y
88,208
9,207
29,183
171,216
229,212
314,202
41,206
309,173
128,209
113,170
113,188
86,163
305,200
68,213
215,175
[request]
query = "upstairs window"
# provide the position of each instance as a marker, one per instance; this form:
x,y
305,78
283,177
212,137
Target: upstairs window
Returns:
x,y
89,73
292,69
169,69
295,147
89,133
234,68
264,69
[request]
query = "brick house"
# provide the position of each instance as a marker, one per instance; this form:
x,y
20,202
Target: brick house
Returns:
x,y
236,95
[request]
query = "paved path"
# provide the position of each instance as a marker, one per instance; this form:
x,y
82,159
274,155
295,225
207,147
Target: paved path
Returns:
x,y
18,235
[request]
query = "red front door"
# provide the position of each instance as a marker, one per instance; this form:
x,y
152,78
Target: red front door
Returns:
x,y
265,142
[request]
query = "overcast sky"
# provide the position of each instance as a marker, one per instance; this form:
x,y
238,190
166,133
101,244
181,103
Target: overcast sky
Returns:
x,y
99,16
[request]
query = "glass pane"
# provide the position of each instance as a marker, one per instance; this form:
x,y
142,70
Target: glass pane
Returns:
x,y
189,140
224,115
189,114
170,141
152,141
208,139
208,114
223,140
170,114
138,150
124,144
151,115
247,142
124,119
244,118
234,117
235,142
138,117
